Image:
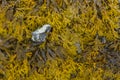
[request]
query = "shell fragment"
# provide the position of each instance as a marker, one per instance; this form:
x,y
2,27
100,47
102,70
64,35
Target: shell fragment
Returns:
x,y
40,34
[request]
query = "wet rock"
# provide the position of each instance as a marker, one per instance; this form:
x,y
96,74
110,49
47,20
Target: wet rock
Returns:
x,y
103,39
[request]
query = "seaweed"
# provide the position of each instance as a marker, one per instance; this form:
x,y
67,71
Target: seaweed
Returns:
x,y
84,43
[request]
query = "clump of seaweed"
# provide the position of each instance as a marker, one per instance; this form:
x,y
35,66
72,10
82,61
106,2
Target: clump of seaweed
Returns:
x,y
83,43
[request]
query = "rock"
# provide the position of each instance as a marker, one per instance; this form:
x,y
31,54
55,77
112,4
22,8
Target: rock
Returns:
x,y
78,48
40,34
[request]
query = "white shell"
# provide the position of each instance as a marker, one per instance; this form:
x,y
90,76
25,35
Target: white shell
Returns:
x,y
39,35
42,29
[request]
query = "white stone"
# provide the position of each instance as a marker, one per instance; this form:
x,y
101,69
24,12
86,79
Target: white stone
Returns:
x,y
39,35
